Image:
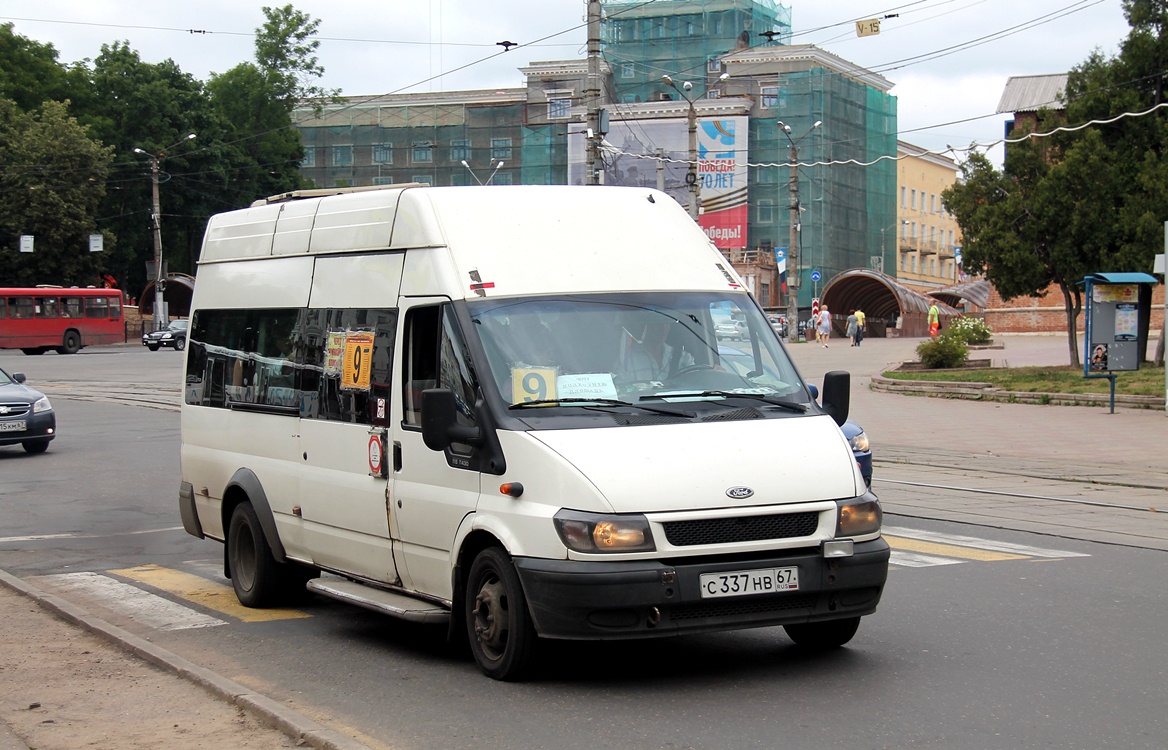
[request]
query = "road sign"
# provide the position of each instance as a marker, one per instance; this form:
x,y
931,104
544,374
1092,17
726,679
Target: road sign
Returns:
x,y
815,276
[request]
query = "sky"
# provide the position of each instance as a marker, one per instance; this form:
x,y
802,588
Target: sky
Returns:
x,y
949,60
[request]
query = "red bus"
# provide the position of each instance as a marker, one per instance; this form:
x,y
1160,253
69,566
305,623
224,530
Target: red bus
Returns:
x,y
43,318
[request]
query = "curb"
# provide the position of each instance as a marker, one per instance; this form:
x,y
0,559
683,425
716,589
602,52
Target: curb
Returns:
x,y
292,723
989,392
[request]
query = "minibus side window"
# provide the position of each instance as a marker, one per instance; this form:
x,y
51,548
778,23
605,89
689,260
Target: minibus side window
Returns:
x,y
96,307
71,307
46,307
437,359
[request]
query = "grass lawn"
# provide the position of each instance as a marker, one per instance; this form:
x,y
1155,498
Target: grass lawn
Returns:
x,y
1146,381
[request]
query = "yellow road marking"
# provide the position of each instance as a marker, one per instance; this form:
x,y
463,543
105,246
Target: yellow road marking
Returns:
x,y
950,550
215,596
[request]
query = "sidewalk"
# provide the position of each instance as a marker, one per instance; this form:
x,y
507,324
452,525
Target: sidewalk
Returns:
x,y
69,679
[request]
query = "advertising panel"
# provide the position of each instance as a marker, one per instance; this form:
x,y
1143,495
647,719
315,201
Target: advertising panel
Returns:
x,y
654,153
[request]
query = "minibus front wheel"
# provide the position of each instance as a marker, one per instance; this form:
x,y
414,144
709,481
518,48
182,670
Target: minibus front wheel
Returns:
x,y
502,636
255,574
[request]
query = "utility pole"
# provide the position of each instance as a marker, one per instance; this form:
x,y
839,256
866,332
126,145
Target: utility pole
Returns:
x,y
793,250
161,314
592,95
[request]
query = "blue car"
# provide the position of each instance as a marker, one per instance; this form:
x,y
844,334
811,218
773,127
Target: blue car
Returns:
x,y
854,433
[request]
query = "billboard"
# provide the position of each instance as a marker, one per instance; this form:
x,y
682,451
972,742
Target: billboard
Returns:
x,y
654,153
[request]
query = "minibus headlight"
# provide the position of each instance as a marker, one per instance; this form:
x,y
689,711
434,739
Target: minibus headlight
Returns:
x,y
595,532
42,404
859,516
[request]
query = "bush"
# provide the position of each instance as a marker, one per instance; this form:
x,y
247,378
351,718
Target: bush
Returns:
x,y
946,351
970,330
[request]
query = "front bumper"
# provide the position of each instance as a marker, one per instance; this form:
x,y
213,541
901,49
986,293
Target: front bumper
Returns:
x,y
40,427
637,599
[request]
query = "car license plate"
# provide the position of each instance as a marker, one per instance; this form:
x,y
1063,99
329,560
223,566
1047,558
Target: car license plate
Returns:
x,y
748,582
13,426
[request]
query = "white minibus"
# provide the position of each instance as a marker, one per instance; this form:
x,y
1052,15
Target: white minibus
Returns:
x,y
507,409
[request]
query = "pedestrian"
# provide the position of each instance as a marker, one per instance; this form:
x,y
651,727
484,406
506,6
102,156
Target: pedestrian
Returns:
x,y
852,327
934,320
823,326
861,324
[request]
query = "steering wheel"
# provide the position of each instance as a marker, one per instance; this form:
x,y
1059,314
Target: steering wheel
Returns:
x,y
692,368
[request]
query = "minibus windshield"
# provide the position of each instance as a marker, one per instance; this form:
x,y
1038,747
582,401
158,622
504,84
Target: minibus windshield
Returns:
x,y
652,347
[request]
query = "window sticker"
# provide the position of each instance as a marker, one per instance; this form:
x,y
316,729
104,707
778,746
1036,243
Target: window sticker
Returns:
x,y
586,385
335,354
532,384
358,362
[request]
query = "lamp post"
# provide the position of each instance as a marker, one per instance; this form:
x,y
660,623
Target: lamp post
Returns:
x,y
883,245
691,177
793,249
480,182
161,317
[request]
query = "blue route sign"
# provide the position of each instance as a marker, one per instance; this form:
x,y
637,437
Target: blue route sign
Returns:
x,y
815,276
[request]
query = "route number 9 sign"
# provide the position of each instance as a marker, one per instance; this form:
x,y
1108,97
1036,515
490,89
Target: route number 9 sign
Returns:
x,y
532,384
357,366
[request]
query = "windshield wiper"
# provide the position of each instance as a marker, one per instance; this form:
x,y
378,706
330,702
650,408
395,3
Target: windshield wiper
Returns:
x,y
600,402
764,397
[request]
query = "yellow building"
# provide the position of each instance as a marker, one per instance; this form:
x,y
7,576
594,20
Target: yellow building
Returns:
x,y
928,238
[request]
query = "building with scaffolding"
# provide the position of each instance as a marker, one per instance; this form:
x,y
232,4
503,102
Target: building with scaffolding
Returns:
x,y
732,77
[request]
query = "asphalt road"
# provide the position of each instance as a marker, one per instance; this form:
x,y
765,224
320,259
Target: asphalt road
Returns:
x,y
987,636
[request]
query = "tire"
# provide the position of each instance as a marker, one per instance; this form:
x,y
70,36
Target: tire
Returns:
x,y
498,625
152,347
70,343
255,574
823,636
35,446
180,344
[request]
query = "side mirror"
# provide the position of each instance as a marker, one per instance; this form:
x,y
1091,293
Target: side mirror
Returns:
x,y
18,377
837,394
440,425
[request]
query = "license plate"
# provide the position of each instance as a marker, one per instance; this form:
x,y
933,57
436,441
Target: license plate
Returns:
x,y
13,426
749,582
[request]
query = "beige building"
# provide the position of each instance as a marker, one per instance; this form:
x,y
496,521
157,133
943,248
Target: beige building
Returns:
x,y
928,240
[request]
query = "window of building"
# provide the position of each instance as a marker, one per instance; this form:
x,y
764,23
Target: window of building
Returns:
x,y
904,262
914,200
342,156
914,264
427,179
769,97
932,203
459,150
932,266
903,197
559,108
913,225
382,180
502,178
714,65
422,153
383,153
309,159
766,211
628,70
500,148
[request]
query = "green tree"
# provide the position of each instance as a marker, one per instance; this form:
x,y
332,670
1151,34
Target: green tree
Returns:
x,y
53,176
1078,202
29,71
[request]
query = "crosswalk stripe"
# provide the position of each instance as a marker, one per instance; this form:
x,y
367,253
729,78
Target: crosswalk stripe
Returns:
x,y
906,559
950,550
985,544
203,592
131,601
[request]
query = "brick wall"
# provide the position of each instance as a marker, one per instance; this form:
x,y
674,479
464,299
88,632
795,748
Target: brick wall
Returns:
x,y
1045,313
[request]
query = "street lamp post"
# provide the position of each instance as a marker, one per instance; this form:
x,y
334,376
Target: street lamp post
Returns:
x,y
793,249
161,316
692,180
472,174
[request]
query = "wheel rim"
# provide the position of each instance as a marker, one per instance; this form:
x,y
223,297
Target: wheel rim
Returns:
x,y
491,616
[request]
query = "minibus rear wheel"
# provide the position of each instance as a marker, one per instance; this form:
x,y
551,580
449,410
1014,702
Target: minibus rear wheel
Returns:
x,y
255,574
502,636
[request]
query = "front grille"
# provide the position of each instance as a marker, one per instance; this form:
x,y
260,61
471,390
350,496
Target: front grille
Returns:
x,y
741,607
741,529
14,409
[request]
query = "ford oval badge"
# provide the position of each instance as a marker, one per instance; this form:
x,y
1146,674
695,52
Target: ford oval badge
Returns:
x,y
739,493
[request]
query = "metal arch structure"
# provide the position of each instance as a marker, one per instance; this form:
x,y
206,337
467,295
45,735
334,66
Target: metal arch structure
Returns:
x,y
179,289
975,293
885,302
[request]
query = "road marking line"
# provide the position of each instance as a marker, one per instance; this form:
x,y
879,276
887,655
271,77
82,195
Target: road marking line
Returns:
x,y
950,550
209,594
907,559
131,601
970,541
44,537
